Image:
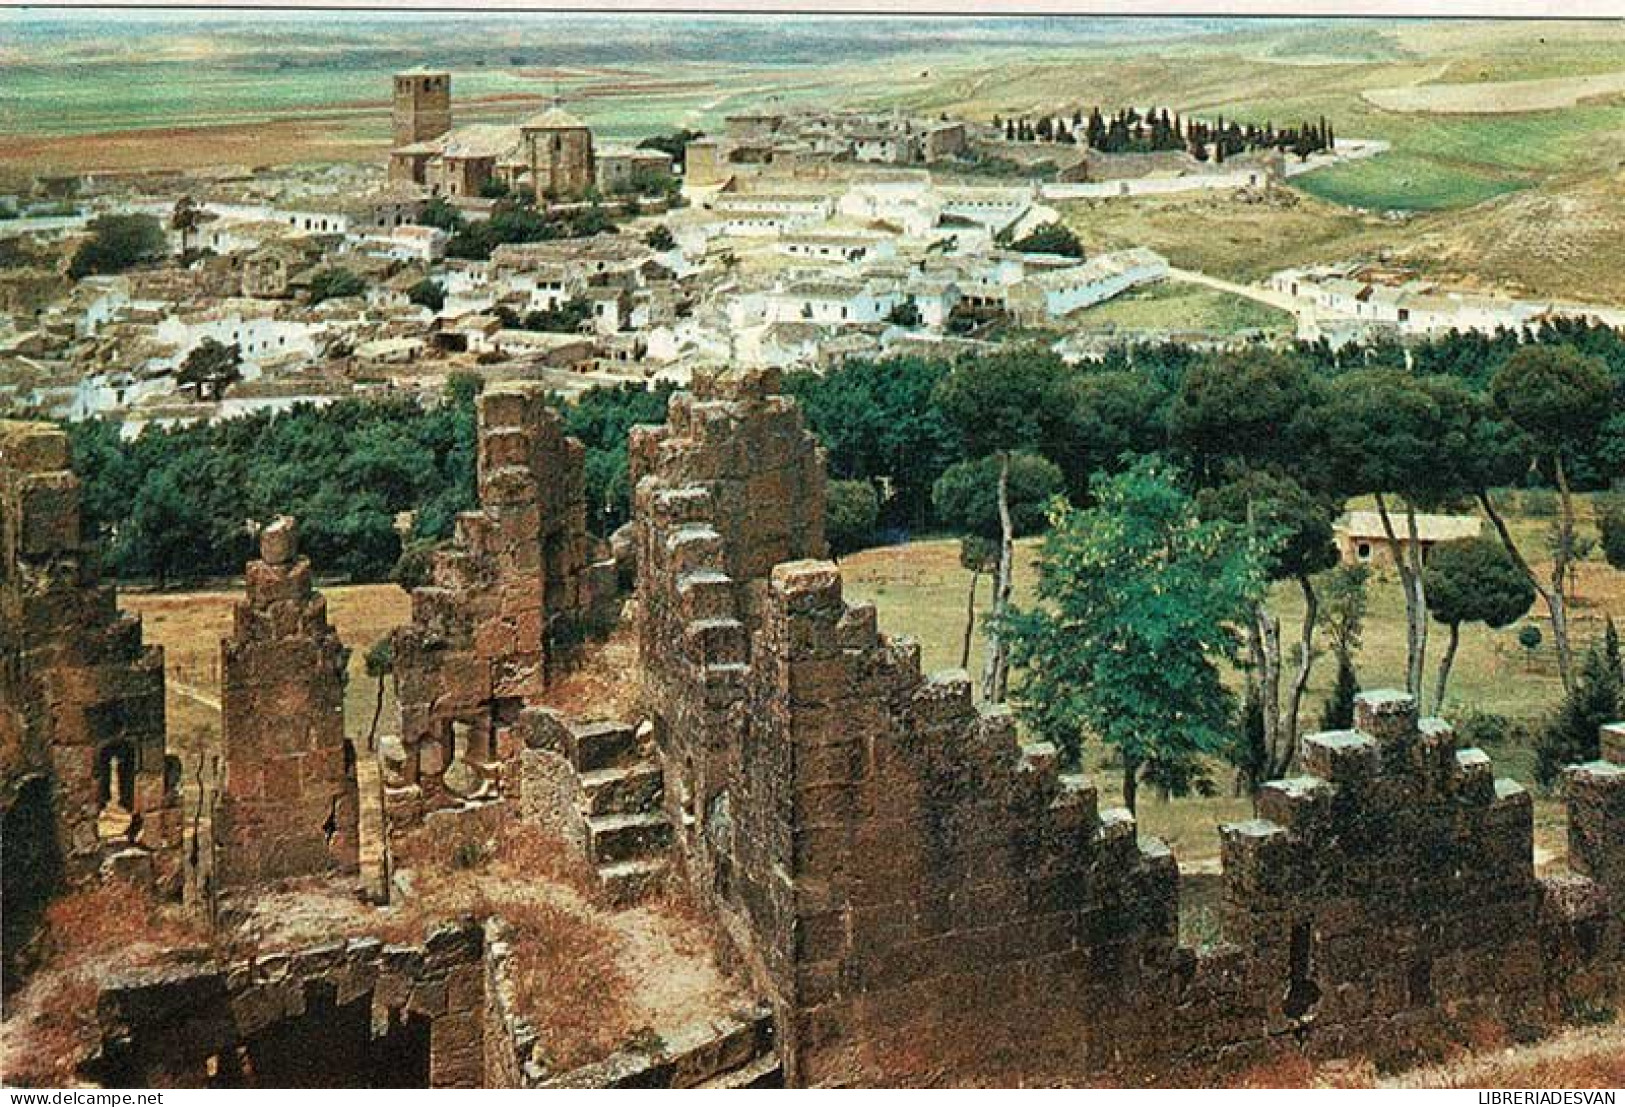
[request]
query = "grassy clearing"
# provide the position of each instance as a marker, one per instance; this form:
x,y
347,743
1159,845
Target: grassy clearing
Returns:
x,y
1222,236
1167,307
1406,182
919,590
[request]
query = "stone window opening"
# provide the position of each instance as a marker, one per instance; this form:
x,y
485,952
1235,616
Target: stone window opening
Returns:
x,y
115,790
1302,993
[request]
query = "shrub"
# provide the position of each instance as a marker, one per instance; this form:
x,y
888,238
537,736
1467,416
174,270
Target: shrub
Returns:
x,y
852,509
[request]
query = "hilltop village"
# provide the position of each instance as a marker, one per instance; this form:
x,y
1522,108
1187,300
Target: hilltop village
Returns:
x,y
533,250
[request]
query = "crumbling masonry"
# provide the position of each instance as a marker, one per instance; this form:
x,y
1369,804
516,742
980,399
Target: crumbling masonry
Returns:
x,y
81,698
289,803
916,893
516,587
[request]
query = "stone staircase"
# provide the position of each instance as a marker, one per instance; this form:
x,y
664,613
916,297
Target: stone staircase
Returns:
x,y
621,791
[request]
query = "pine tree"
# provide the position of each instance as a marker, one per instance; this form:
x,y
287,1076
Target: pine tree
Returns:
x,y
1338,713
1570,736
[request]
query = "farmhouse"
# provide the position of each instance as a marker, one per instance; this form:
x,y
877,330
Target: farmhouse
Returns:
x,y
1362,539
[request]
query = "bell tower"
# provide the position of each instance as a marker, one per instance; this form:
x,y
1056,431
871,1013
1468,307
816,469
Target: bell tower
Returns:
x,y
422,105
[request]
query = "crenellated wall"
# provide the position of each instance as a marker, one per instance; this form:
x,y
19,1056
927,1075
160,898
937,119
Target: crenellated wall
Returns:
x,y
81,696
1387,896
928,900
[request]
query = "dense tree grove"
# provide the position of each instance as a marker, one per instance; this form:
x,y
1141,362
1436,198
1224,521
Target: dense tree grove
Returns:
x,y
1260,448
182,503
1130,130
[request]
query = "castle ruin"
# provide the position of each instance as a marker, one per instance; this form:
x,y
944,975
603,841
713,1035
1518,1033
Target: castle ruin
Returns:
x,y
913,892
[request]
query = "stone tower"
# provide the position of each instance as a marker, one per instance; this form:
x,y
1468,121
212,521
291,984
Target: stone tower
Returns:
x,y
422,106
290,802
557,148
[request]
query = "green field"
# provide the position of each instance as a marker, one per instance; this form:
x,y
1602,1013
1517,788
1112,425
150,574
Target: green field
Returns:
x,y
1168,305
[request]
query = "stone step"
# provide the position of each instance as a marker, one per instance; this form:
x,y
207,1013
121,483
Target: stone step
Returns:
x,y
695,547
629,882
716,641
706,594
622,790
766,1071
718,1048
603,745
626,837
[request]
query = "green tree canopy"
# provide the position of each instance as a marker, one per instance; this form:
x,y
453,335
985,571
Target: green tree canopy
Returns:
x,y
1256,407
1473,580
116,243
1050,238
965,497
1139,598
210,368
333,283
428,293
851,512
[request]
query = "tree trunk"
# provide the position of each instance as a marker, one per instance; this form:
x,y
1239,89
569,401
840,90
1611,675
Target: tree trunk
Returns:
x,y
1444,668
970,621
1417,677
377,713
1552,597
1560,567
996,677
1300,682
1415,602
1131,784
1267,639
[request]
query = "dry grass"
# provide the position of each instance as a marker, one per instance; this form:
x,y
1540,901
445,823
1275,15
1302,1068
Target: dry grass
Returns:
x,y
601,681
116,916
1590,1057
568,968
51,1025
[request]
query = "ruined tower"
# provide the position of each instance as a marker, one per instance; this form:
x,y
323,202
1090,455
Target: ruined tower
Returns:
x,y
81,696
289,802
422,105
517,583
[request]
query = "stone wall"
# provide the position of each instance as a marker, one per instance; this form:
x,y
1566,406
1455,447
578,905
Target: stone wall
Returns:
x,y
515,587
1596,808
926,899
1387,897
385,1015
929,894
81,696
730,486
288,805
